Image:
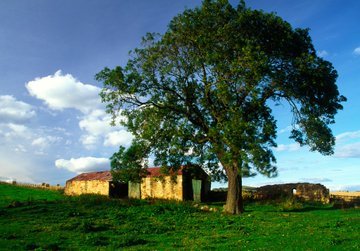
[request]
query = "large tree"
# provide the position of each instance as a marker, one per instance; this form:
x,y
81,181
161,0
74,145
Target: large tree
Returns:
x,y
203,92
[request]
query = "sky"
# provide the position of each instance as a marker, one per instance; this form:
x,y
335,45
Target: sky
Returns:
x,y
54,126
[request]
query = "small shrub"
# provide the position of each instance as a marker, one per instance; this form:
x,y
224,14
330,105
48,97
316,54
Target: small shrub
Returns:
x,y
291,204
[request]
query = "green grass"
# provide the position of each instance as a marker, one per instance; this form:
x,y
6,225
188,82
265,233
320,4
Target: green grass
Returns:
x,y
99,223
10,193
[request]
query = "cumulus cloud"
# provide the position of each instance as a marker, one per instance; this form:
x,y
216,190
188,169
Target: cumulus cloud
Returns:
x,y
84,164
348,151
118,138
322,53
96,126
63,91
287,148
96,123
357,51
60,91
13,110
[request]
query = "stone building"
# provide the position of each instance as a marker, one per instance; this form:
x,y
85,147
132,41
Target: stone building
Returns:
x,y
304,191
187,184
95,183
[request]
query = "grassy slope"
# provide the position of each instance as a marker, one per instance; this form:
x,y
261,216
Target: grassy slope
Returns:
x,y
10,193
93,222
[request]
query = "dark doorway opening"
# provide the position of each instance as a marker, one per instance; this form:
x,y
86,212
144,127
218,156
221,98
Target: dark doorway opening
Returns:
x,y
118,190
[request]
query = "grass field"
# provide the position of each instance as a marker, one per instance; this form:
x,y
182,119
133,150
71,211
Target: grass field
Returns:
x,y
45,220
10,193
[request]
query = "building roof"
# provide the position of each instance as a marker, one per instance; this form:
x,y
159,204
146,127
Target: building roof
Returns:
x,y
156,172
104,176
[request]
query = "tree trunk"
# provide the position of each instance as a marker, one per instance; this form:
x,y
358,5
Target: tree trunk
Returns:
x,y
234,201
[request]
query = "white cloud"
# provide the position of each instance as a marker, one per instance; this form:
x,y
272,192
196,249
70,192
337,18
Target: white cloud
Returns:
x,y
118,138
96,123
60,91
20,148
348,135
316,180
32,140
288,148
12,110
44,142
84,164
13,131
286,129
348,151
357,51
89,141
97,128
322,53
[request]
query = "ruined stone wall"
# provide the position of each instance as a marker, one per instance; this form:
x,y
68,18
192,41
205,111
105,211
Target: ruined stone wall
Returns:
x,y
313,192
166,188
87,187
345,199
305,191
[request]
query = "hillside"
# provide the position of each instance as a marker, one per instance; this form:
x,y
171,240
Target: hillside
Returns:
x,y
49,221
10,193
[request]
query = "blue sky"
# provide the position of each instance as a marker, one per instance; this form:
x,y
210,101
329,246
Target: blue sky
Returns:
x,y
53,125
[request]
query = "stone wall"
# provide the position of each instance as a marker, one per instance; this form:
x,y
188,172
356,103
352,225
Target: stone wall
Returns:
x,y
165,188
345,199
77,187
305,191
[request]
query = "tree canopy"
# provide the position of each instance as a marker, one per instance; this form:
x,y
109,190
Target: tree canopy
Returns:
x,y
202,92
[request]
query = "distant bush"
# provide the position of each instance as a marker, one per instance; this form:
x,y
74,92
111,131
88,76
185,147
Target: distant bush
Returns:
x,y
290,204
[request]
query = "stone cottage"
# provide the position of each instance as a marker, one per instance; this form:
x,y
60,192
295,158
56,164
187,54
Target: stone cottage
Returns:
x,y
95,183
188,183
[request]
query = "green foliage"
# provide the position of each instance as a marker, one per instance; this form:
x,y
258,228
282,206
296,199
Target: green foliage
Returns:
x,y
130,164
99,223
201,92
291,204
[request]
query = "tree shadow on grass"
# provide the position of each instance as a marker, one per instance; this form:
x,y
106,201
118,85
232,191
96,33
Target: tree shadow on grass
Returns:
x,y
310,208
